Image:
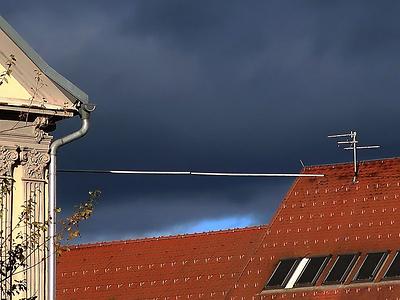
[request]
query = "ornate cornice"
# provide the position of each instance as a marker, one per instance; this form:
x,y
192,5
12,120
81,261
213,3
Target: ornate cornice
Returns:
x,y
34,163
7,160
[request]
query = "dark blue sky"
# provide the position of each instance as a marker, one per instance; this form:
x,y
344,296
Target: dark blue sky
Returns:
x,y
213,86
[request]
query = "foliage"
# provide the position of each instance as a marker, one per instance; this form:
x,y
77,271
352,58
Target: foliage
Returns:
x,y
17,246
7,73
69,226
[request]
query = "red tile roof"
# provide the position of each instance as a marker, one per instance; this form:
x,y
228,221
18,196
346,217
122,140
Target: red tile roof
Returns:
x,y
330,215
184,266
324,215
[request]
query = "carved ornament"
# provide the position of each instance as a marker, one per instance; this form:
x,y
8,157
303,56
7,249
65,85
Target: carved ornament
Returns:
x,y
40,124
7,160
34,163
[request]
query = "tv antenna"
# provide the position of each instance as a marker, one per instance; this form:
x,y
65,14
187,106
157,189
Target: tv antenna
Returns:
x,y
351,143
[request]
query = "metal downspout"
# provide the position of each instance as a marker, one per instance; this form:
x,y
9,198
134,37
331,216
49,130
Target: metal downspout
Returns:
x,y
84,111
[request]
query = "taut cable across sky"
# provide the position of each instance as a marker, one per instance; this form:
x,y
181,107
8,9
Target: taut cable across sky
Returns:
x,y
189,173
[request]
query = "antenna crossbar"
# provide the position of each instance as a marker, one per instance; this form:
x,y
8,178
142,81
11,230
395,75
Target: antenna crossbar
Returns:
x,y
362,147
340,135
347,142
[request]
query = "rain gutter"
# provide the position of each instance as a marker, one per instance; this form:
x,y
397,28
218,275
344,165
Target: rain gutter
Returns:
x,y
84,112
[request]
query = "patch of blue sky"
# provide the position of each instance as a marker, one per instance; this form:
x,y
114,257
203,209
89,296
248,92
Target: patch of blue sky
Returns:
x,y
218,224
207,225
204,225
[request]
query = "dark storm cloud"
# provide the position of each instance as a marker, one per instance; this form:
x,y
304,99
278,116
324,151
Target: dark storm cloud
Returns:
x,y
214,85
172,210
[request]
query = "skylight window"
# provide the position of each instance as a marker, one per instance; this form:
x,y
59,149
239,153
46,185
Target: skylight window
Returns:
x,y
311,271
341,268
370,266
394,270
282,273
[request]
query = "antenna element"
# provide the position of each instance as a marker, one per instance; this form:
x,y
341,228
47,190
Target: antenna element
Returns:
x,y
351,141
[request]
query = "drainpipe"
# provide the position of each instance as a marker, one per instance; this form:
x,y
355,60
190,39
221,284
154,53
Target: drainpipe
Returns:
x,y
84,112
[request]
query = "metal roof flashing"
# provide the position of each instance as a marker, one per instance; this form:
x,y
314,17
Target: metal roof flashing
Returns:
x,y
70,90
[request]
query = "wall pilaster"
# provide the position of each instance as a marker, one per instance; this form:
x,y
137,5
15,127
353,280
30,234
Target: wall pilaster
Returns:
x,y
8,158
24,160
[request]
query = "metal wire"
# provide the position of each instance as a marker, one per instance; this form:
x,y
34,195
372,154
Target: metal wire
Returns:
x,y
187,173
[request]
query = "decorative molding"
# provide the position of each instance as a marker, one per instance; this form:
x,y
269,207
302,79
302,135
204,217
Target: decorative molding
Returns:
x,y
40,124
34,163
7,160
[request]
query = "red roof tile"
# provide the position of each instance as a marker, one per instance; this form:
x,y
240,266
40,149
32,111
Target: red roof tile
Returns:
x,y
177,266
322,215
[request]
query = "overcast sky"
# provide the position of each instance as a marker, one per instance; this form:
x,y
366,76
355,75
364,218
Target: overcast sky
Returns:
x,y
232,86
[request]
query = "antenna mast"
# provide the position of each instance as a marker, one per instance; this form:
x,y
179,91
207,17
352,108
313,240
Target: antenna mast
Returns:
x,y
351,142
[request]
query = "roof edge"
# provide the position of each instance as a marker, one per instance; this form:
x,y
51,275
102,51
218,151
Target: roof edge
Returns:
x,y
57,78
168,237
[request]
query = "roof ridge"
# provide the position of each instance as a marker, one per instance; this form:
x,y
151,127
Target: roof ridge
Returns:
x,y
167,237
367,161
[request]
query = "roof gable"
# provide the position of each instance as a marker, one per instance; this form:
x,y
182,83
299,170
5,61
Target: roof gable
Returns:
x,y
55,91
